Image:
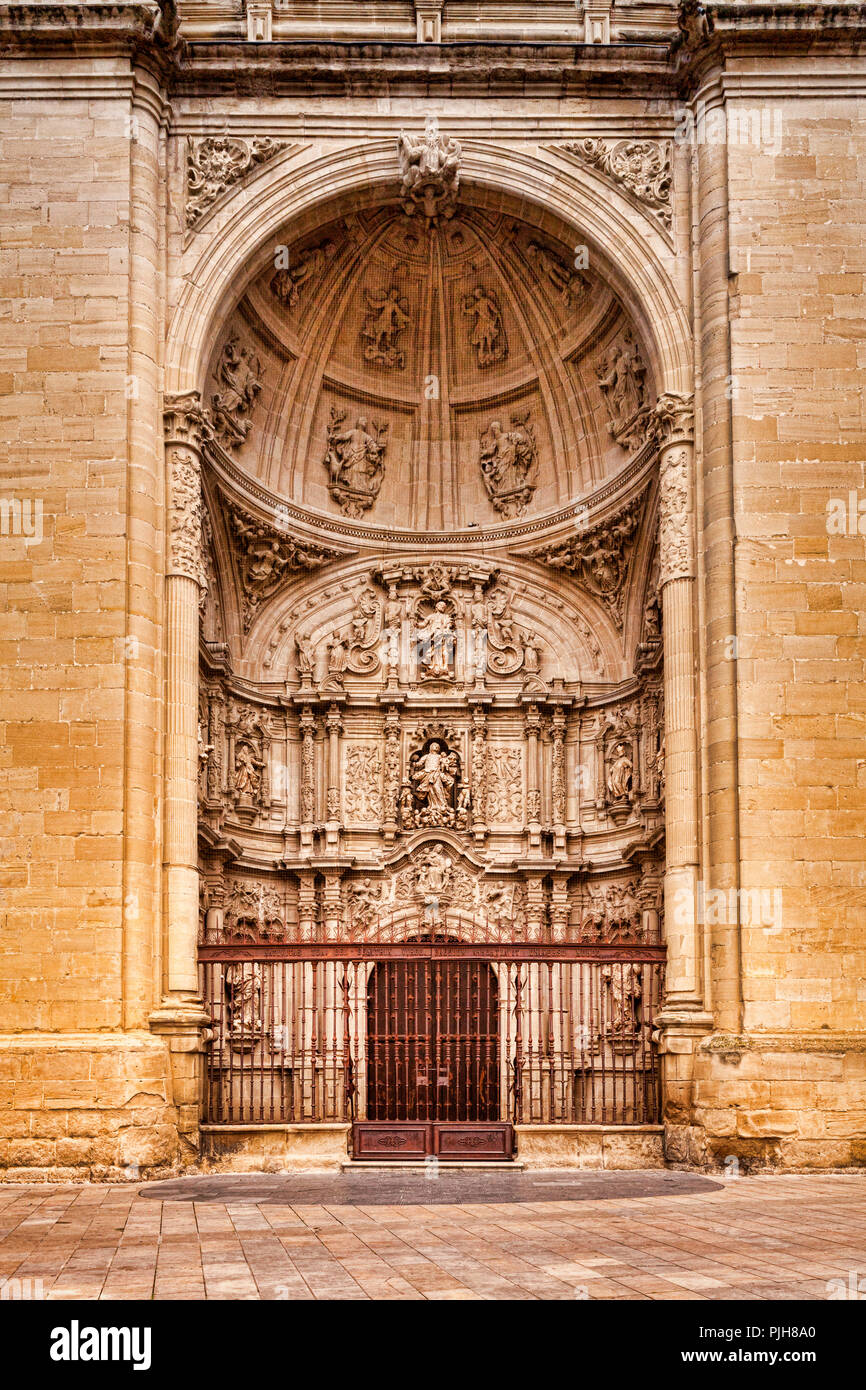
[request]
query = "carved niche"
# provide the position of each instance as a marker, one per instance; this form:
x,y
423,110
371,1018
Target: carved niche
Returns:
x,y
436,791
486,332
599,557
618,747
238,375
355,460
509,464
429,173
249,757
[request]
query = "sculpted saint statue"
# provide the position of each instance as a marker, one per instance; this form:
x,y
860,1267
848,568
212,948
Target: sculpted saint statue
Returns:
x,y
620,773
433,779
247,775
486,335
436,642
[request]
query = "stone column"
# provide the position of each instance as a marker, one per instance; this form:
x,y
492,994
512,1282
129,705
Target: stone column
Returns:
x,y
557,734
307,727
181,1016
333,727
674,422
392,773
532,725
479,768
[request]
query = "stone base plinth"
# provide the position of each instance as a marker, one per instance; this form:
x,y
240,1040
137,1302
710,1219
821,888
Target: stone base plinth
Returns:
x,y
590,1146
273,1148
86,1107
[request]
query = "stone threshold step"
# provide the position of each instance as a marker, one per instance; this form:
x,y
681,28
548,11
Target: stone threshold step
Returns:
x,y
420,1165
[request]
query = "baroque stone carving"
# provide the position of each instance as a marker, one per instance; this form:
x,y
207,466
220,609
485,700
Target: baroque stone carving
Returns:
x,y
623,988
429,173
641,166
613,914
363,798
355,461
239,375
676,551
385,323
568,283
599,557
509,464
253,913
487,333
436,791
621,374
216,162
249,741
290,281
242,983
307,727
266,555
504,785
187,426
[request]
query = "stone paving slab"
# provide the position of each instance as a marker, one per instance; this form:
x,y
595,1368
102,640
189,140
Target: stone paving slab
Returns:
x,y
643,1236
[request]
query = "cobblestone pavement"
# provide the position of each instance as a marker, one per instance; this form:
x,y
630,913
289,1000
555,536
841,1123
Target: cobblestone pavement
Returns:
x,y
744,1238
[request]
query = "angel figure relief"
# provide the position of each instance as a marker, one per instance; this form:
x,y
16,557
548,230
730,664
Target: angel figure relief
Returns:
x,y
487,333
388,317
355,461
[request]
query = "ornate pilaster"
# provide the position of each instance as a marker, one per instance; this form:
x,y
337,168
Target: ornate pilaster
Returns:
x,y
479,772
186,426
307,727
333,728
532,726
673,424
392,773
557,735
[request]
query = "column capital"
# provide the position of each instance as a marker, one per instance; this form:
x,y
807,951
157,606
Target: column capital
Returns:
x,y
185,420
673,418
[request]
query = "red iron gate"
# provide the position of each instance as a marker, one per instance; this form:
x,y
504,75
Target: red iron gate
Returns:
x,y
432,1046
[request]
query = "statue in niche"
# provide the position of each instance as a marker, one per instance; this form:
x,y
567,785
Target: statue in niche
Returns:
x,y
306,657
355,463
287,284
388,318
439,795
436,642
239,375
567,282
652,617
487,334
623,988
429,173
247,780
620,774
509,465
433,781
242,982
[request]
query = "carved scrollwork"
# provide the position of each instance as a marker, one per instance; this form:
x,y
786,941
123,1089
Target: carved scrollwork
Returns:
x,y
216,162
266,555
599,558
641,166
504,785
363,795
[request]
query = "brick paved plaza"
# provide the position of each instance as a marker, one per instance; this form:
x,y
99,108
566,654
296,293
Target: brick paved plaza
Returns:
x,y
750,1238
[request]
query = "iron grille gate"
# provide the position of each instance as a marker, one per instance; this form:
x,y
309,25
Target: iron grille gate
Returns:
x,y
433,1046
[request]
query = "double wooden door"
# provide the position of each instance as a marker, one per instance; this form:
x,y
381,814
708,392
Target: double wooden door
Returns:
x,y
433,1041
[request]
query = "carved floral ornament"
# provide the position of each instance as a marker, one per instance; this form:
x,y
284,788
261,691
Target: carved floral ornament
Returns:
x,y
187,426
643,167
216,162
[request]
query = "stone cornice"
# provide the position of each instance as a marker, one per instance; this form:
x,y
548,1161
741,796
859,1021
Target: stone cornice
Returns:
x,y
135,27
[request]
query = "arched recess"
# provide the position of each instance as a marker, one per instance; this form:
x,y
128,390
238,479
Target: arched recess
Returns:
x,y
234,247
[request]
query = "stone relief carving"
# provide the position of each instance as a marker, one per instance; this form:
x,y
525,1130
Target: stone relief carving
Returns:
x,y
187,427
641,166
621,376
487,332
266,556
613,914
504,785
676,552
363,796
599,557
623,988
355,460
429,173
509,464
436,791
249,756
253,913
239,375
568,284
618,749
290,282
242,984
216,162
388,318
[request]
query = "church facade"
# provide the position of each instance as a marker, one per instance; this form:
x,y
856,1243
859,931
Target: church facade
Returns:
x,y
433,661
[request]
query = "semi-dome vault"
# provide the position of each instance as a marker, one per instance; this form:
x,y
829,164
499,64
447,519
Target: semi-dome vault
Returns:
x,y
429,378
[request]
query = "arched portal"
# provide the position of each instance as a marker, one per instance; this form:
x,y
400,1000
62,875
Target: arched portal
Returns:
x,y
434,728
